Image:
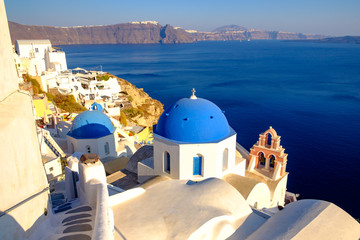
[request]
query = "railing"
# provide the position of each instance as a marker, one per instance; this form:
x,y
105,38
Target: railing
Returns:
x,y
2,213
53,145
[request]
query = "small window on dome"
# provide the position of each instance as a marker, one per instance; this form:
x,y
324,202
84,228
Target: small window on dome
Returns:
x,y
185,119
176,106
211,117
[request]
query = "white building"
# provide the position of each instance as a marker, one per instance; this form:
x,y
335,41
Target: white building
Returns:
x,y
55,60
33,52
193,140
88,89
93,132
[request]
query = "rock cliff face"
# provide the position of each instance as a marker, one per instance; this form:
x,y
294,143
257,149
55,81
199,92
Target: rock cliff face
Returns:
x,y
234,32
126,33
149,108
146,32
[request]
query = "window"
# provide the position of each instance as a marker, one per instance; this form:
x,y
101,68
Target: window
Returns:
x,y
268,139
37,50
72,148
51,169
166,162
88,149
197,167
107,148
225,159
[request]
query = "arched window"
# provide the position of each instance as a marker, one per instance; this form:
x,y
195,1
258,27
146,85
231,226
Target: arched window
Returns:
x,y
268,139
198,165
166,162
107,148
262,159
225,159
88,149
272,161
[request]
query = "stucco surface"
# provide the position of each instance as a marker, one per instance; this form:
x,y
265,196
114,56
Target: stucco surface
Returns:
x,y
186,210
309,219
24,173
253,191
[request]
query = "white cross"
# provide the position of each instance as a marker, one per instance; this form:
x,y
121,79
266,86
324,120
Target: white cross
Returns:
x,y
193,94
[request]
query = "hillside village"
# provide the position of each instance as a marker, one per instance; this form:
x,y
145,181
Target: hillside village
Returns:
x,y
60,94
118,166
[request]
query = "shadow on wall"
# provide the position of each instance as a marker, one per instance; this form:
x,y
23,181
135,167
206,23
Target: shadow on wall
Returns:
x,y
10,229
250,225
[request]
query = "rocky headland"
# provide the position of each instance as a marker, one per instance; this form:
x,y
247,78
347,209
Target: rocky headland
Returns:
x,y
125,33
144,33
142,110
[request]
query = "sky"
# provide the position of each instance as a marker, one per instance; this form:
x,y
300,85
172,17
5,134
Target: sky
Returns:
x,y
328,17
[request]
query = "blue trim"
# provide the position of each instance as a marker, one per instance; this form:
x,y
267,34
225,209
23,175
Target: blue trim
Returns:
x,y
53,149
97,106
197,166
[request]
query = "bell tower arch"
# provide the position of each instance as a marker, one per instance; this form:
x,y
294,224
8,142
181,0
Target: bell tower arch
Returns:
x,y
268,156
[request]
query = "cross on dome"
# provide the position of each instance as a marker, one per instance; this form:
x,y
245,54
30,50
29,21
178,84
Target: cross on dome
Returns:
x,y
193,94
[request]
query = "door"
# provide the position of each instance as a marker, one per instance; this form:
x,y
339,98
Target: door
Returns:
x,y
197,165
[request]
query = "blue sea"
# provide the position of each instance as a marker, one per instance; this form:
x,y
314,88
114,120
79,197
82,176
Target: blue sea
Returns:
x,y
308,92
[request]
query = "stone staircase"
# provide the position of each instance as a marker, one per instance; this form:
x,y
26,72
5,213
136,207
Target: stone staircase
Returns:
x,y
50,142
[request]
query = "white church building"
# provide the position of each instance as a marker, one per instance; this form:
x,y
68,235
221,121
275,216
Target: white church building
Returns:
x,y
193,140
93,132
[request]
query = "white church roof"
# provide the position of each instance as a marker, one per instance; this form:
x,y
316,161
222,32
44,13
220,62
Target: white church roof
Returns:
x,y
174,209
309,219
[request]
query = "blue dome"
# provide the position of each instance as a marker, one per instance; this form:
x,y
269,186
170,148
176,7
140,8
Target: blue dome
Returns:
x,y
96,106
193,120
91,124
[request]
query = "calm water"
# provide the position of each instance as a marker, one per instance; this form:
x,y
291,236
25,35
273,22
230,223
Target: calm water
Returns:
x,y
309,92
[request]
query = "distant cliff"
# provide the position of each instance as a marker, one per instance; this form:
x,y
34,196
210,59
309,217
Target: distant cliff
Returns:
x,y
126,33
346,39
234,32
144,32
